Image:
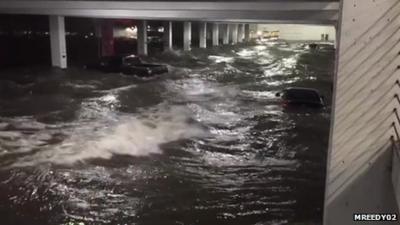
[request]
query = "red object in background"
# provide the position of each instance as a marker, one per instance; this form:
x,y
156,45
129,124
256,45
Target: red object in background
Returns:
x,y
107,34
125,22
107,38
285,103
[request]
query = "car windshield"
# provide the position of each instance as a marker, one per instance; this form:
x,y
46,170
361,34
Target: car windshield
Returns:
x,y
302,95
132,60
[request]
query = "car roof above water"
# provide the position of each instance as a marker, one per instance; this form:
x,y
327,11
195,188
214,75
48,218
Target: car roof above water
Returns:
x,y
297,93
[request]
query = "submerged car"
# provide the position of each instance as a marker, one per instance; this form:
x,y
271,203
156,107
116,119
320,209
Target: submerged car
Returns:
x,y
296,96
129,65
313,46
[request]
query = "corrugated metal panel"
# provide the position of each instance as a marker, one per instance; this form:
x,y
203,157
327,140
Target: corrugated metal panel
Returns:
x,y
360,150
246,11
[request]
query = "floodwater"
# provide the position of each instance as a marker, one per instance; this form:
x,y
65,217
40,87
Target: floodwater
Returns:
x,y
208,143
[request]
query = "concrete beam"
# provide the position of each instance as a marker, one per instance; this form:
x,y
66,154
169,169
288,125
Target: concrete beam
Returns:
x,y
215,34
313,12
203,35
174,5
142,37
247,32
57,42
225,34
234,33
167,35
187,36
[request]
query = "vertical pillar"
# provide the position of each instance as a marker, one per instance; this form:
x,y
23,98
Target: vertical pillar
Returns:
x,y
240,32
97,33
107,38
247,32
57,42
337,37
225,34
215,34
142,37
167,35
203,35
234,33
97,28
187,36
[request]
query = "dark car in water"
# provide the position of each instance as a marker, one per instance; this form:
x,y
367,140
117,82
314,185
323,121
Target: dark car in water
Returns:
x,y
296,96
129,65
313,46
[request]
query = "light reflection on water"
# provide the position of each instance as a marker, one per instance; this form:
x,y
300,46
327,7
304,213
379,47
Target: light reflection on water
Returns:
x,y
201,145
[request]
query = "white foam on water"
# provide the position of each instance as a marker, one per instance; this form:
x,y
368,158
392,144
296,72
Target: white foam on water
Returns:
x,y
247,158
216,115
260,47
80,85
259,94
290,62
221,59
247,53
198,86
279,83
23,123
118,89
3,125
130,135
176,52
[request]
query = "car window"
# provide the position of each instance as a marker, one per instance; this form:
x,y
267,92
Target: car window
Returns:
x,y
132,61
301,95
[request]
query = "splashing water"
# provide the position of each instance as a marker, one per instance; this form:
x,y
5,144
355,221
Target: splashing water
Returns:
x,y
207,143
134,136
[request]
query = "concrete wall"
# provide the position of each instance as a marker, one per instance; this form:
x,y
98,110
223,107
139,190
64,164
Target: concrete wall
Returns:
x,y
360,154
299,31
314,12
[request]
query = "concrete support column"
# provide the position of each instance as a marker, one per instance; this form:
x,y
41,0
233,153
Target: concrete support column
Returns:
x,y
247,32
240,32
203,35
142,38
225,34
57,42
187,36
167,36
215,34
234,33
337,37
97,33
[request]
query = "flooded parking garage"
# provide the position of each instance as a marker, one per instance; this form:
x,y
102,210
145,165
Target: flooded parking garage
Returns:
x,y
207,143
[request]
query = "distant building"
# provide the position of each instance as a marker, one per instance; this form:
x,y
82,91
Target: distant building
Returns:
x,y
297,32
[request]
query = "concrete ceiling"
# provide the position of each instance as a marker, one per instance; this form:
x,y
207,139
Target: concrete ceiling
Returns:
x,y
286,11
